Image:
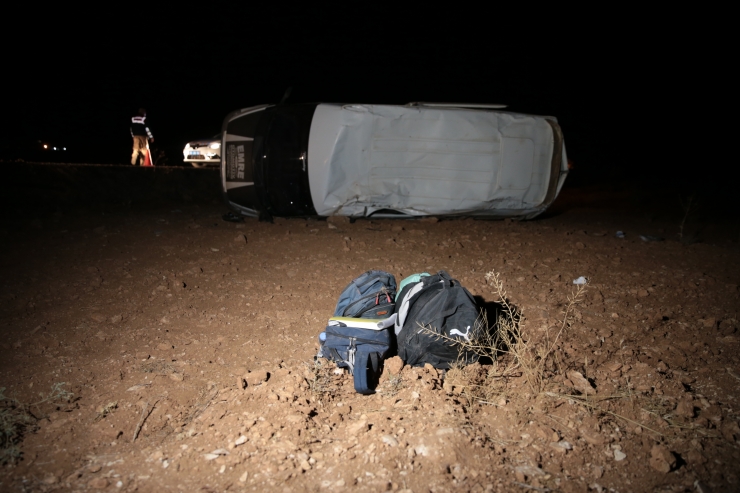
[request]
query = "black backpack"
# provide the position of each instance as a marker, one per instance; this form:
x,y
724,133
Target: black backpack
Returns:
x,y
442,306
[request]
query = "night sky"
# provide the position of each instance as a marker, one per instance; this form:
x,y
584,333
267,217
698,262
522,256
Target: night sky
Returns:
x,y
81,82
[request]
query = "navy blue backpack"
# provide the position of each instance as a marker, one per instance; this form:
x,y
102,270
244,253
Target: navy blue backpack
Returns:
x,y
370,295
359,336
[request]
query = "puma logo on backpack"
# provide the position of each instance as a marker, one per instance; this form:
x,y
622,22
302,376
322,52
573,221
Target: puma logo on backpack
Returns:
x,y
431,305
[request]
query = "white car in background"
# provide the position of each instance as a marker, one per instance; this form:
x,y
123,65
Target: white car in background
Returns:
x,y
362,160
206,152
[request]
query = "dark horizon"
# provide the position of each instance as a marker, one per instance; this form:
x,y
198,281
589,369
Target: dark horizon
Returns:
x,y
81,90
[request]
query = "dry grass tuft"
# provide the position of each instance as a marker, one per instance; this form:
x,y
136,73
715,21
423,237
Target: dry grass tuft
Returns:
x,y
17,417
319,376
391,386
535,360
505,344
158,366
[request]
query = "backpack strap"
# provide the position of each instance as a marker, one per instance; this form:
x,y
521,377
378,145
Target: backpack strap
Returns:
x,y
365,362
404,304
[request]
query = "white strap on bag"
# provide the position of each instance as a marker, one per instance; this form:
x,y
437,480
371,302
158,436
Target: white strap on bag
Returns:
x,y
404,309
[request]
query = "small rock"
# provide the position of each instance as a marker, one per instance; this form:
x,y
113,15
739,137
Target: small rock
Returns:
x,y
415,395
155,456
661,459
74,476
597,472
305,465
211,456
685,408
98,483
394,365
241,440
727,327
177,377
731,431
137,387
241,239
243,477
445,431
562,445
619,455
50,479
116,318
357,427
701,487
390,440
256,377
241,383
580,383
164,346
592,437
97,317
528,471
338,220
695,457
422,450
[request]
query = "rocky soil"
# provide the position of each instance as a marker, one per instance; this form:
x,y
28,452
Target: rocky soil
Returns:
x,y
188,342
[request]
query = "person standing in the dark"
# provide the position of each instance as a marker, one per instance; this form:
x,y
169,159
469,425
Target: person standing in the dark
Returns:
x,y
142,136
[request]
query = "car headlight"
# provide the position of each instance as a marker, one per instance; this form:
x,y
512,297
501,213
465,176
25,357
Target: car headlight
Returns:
x,y
216,145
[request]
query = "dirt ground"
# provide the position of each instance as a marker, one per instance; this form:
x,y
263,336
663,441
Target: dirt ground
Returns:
x,y
187,344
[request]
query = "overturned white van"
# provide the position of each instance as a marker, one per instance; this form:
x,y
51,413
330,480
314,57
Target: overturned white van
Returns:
x,y
419,159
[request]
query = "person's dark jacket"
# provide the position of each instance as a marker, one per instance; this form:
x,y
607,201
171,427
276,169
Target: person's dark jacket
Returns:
x,y
139,127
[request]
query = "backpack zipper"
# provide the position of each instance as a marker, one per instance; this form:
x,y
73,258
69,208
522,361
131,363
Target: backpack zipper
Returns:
x,y
352,339
366,297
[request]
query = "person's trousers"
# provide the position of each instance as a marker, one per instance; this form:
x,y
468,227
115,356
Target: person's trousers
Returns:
x,y
141,148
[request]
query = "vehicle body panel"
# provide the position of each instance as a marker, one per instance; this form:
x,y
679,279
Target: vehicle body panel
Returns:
x,y
422,161
360,160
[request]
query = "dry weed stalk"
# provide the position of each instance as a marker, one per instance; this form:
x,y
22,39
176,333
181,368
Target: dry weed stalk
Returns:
x,y
588,402
484,342
533,358
145,412
530,359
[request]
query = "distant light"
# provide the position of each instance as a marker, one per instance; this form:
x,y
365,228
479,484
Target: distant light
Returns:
x,y
64,148
55,148
215,145
46,146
